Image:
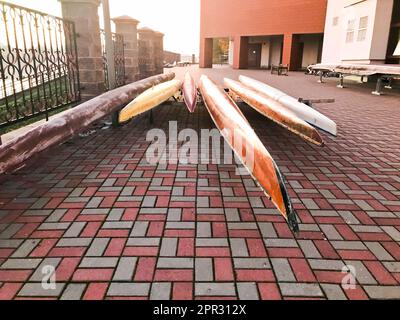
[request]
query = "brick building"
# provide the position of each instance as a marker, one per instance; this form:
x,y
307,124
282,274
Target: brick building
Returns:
x,y
262,33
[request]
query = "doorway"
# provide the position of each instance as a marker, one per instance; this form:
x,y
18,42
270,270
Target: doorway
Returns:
x,y
254,56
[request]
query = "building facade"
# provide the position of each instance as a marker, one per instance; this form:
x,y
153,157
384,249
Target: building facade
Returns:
x,y
365,32
263,33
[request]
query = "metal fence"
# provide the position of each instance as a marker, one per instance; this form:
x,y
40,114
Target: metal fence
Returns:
x,y
119,60
38,64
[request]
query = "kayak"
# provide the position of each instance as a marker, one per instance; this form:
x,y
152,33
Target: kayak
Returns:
x,y
302,110
189,90
275,111
248,147
150,99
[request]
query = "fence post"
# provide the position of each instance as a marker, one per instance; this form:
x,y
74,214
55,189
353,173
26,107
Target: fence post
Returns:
x,y
159,52
84,13
146,53
127,27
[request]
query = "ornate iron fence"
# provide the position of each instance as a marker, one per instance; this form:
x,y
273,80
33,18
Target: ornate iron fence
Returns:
x,y
38,64
119,60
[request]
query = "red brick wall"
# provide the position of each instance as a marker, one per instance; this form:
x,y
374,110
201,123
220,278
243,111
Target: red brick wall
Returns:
x,y
233,18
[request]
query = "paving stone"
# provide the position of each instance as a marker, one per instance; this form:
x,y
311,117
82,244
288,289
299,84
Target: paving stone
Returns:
x,y
215,289
25,249
10,243
282,269
21,264
300,290
212,242
333,292
318,264
247,291
251,263
379,251
309,249
392,232
74,242
331,233
203,229
54,226
36,290
57,215
174,215
143,242
103,262
362,275
349,218
97,247
239,248
125,269
75,230
175,263
169,247
74,291
139,229
180,225
160,291
232,215
242,225
128,289
392,267
204,269
10,230
280,243
383,292
115,215
40,272
348,245
118,225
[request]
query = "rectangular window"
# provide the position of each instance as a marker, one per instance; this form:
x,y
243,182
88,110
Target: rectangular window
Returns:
x,y
350,31
362,29
335,21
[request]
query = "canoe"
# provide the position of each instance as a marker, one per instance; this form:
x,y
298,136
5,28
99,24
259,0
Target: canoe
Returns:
x,y
189,90
247,146
57,130
303,111
275,111
150,99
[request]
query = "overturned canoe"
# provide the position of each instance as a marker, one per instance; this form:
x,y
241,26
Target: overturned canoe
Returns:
x,y
189,90
303,111
275,111
150,99
248,147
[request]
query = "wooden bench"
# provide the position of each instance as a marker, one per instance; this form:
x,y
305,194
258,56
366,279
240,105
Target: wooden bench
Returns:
x,y
280,69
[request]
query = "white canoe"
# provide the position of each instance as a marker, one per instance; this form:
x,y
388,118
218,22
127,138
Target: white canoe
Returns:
x,y
150,99
302,110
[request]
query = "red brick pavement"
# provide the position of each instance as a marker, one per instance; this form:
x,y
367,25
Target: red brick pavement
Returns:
x,y
116,227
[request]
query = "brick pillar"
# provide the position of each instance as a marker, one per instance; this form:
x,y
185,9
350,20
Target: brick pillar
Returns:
x,y
291,51
85,15
146,53
158,52
206,53
127,27
240,52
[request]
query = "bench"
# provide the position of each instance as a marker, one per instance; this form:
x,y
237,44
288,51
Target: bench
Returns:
x,y
280,69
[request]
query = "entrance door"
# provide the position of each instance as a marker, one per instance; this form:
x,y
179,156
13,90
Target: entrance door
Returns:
x,y
254,60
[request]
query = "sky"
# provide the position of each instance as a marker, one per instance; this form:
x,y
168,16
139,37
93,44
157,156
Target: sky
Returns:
x,y
179,20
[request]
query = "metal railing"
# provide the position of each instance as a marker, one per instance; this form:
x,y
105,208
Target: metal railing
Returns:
x,y
38,64
119,60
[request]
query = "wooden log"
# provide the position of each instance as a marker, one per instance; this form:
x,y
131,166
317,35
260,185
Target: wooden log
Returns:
x,y
56,131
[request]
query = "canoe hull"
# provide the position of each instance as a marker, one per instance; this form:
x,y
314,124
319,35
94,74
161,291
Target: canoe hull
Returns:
x,y
244,142
150,99
301,110
189,90
275,111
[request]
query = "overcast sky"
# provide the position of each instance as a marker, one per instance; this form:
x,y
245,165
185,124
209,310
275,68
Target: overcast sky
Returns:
x,y
179,20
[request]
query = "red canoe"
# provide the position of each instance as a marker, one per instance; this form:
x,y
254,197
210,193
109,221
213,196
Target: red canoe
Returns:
x,y
189,90
248,147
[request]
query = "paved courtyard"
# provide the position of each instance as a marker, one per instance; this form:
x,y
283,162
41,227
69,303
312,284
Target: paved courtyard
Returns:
x,y
115,227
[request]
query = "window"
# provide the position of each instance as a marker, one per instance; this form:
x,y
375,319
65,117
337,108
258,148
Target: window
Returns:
x,y
350,31
362,29
335,21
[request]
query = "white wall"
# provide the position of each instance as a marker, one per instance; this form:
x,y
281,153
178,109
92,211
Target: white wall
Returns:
x,y
265,54
335,48
275,51
311,48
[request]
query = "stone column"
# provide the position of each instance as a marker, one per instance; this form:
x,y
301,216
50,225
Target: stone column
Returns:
x,y
127,27
146,53
158,38
206,53
240,52
85,15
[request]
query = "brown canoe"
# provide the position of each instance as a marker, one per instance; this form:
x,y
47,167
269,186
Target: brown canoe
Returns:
x,y
248,147
189,90
275,111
